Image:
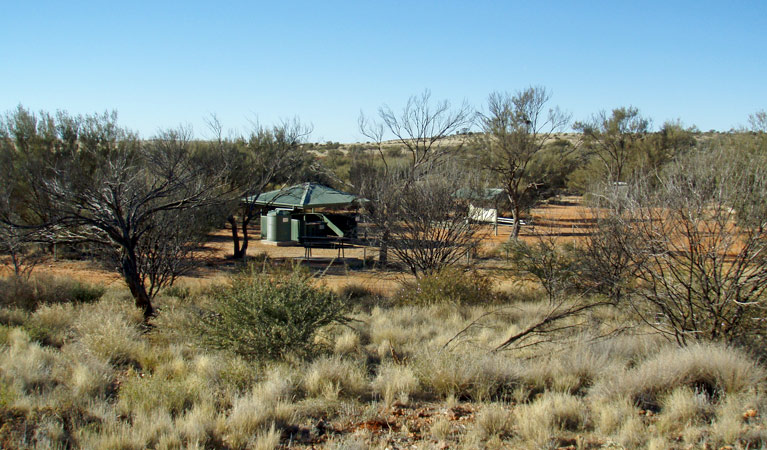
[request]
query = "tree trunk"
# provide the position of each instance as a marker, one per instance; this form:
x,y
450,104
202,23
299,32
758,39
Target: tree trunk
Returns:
x,y
383,251
136,285
240,247
515,227
16,264
235,237
245,237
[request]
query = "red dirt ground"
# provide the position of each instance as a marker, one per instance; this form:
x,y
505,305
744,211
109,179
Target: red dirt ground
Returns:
x,y
565,219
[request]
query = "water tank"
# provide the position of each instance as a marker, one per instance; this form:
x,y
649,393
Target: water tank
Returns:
x,y
263,227
278,226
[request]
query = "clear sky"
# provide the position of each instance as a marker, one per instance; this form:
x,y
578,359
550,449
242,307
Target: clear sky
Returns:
x,y
161,64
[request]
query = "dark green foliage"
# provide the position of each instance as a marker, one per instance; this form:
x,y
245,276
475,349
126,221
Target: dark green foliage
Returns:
x,y
615,139
450,285
269,315
553,164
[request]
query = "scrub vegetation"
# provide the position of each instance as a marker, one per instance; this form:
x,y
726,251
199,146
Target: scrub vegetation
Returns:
x,y
91,375
641,328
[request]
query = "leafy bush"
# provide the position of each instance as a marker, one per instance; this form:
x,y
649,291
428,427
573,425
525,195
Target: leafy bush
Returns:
x,y
28,294
449,285
547,262
268,315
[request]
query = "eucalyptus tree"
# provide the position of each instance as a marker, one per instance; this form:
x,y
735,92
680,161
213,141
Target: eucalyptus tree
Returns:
x,y
615,139
147,203
758,121
516,129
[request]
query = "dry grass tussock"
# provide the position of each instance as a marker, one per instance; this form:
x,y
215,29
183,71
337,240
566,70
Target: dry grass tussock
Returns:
x,y
711,370
90,375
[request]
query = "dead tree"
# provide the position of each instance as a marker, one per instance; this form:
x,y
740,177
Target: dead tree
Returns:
x,y
702,273
422,128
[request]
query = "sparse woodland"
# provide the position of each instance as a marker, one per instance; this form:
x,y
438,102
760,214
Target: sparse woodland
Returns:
x,y
644,329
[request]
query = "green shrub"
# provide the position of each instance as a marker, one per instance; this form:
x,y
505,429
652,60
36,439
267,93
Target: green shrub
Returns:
x,y
547,262
83,293
450,285
268,315
356,291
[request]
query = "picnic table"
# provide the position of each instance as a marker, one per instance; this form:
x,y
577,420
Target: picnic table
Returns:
x,y
334,242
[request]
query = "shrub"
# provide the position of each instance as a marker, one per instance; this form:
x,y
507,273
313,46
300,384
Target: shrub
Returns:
x,y
268,315
449,285
551,264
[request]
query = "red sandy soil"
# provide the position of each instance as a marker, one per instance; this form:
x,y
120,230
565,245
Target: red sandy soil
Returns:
x,y
565,219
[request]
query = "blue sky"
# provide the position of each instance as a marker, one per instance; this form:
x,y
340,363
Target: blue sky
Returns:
x,y
161,64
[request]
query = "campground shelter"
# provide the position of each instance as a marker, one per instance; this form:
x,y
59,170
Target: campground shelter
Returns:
x,y
307,211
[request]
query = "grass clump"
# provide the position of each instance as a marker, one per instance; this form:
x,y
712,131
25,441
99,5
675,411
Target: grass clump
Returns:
x,y
141,394
448,286
361,296
711,370
29,293
467,376
334,377
110,330
269,315
395,382
254,415
494,420
550,414
357,291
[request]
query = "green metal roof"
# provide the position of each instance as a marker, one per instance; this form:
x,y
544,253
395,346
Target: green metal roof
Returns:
x,y
304,196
